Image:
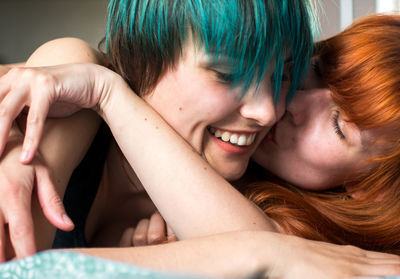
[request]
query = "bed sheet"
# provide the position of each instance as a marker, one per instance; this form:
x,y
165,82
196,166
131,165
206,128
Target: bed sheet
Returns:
x,y
63,265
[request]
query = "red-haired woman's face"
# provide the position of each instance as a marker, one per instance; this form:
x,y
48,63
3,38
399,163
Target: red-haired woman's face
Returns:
x,y
313,146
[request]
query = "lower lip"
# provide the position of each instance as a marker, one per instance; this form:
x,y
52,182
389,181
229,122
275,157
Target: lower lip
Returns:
x,y
230,148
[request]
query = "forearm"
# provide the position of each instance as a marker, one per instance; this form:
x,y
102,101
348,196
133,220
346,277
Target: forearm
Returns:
x,y
233,255
191,196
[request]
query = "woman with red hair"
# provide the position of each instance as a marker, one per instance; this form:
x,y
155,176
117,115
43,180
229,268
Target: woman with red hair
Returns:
x,y
344,151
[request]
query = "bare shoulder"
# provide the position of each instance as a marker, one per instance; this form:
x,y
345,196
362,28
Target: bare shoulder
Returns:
x,y
64,51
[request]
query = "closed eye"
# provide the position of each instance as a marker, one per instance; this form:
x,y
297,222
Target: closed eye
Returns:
x,y
336,126
225,78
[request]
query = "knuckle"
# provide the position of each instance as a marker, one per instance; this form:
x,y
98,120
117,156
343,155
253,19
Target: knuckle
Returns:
x,y
139,238
155,238
21,231
54,202
15,71
44,80
33,119
172,238
13,191
355,249
27,73
4,111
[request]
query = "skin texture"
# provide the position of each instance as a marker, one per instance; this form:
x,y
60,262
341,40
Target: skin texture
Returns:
x,y
308,148
50,170
115,108
192,98
164,194
240,254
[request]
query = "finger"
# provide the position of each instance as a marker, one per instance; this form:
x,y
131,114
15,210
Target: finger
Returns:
x,y
171,237
2,240
21,228
34,128
140,235
379,270
156,231
50,201
10,107
126,238
4,87
6,80
380,255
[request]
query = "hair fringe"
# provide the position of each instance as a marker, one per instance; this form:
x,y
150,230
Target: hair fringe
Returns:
x,y
150,35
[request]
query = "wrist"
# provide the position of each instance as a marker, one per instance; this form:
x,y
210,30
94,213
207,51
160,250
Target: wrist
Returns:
x,y
111,89
113,98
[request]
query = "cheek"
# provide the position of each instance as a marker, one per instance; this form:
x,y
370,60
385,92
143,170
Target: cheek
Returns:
x,y
187,105
320,152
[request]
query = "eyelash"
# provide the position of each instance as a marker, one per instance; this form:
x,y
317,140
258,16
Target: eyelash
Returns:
x,y
335,121
224,78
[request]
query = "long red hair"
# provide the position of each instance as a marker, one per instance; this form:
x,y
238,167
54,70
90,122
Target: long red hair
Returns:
x,y
361,66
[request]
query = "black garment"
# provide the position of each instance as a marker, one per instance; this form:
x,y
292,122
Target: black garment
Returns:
x,y
82,189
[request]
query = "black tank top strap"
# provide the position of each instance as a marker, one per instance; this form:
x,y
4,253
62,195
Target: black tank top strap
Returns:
x,y
82,189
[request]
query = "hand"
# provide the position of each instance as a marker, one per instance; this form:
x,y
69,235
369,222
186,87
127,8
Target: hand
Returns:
x,y
16,185
148,232
70,87
301,258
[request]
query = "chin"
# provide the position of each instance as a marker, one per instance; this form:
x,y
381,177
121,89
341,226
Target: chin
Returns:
x,y
233,175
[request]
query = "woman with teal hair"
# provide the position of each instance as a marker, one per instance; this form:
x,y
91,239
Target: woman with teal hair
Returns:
x,y
195,67
195,63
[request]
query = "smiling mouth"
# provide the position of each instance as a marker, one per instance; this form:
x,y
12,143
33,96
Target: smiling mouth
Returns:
x,y
236,139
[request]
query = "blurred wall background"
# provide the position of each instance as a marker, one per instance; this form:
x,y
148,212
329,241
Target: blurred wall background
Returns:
x,y
26,24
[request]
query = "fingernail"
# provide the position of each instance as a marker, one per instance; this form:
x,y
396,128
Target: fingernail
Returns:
x,y
67,220
24,156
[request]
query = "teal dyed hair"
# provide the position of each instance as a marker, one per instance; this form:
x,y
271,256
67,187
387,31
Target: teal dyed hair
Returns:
x,y
145,37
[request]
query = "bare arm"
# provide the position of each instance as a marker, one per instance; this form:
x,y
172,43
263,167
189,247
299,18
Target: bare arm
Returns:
x,y
241,254
193,198
65,142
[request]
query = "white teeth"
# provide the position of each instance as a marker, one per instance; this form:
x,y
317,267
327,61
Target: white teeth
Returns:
x,y
242,140
226,136
251,139
217,133
236,139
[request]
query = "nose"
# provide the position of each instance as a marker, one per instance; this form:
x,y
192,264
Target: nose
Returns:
x,y
307,104
261,108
